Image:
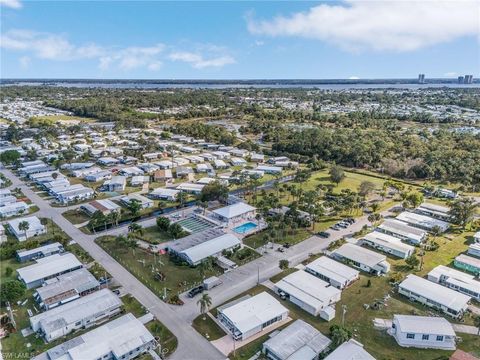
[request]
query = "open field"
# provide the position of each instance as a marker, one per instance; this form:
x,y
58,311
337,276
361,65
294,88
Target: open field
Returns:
x,y
293,237
62,118
142,264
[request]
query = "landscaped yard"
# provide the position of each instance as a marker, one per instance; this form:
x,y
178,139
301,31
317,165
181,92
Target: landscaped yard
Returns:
x,y
154,235
292,237
144,265
208,328
76,216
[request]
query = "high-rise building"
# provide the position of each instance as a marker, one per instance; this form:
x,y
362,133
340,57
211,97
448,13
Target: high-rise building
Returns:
x,y
460,79
421,78
468,79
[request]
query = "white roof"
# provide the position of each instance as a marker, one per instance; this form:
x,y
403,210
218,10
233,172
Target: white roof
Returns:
x,y
434,208
118,336
234,210
350,350
477,235
165,192
41,249
360,254
48,266
309,289
190,187
438,293
424,325
403,229
456,278
82,308
422,220
211,247
468,260
388,241
254,311
298,339
33,223
333,269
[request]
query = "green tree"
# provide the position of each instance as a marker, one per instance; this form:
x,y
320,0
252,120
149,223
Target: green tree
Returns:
x,y
283,264
9,157
413,200
11,290
476,322
204,302
365,188
24,226
336,174
8,271
163,223
412,261
214,191
339,335
462,211
175,230
134,206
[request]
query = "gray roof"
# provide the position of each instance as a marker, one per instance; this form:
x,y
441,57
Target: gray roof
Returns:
x,y
295,338
45,249
46,267
118,336
82,308
204,244
360,254
424,325
75,282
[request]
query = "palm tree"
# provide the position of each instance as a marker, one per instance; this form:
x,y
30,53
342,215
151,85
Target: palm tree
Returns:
x,y
134,206
204,302
24,226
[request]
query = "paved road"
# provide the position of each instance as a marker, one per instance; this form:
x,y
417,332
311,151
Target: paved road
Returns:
x,y
191,345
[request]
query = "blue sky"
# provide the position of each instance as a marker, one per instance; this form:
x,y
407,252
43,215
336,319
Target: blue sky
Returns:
x,y
244,39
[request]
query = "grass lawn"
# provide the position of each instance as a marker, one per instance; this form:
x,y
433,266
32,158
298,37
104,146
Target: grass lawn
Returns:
x,y
257,240
61,117
76,216
168,341
142,264
208,328
154,235
359,320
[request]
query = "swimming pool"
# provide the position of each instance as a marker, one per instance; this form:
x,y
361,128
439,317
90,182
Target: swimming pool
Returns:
x,y
244,228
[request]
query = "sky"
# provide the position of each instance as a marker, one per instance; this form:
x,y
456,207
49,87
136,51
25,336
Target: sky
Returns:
x,y
239,39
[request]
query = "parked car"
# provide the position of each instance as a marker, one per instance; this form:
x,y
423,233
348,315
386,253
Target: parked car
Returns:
x,y
195,291
342,225
335,227
324,234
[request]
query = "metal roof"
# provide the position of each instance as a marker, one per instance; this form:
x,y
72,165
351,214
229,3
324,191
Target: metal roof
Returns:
x,y
424,325
297,339
333,269
48,266
98,302
254,311
360,254
435,292
234,210
350,350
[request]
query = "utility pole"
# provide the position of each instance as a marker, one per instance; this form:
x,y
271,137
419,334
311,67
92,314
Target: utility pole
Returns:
x,y
344,310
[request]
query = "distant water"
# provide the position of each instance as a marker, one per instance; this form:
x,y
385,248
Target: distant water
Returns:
x,y
307,84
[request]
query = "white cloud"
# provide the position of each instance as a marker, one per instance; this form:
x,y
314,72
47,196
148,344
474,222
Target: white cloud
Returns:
x,y
353,78
379,25
198,61
13,4
57,47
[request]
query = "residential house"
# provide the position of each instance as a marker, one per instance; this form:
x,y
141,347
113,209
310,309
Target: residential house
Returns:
x,y
467,263
361,258
251,315
46,268
34,228
434,295
456,280
298,340
39,252
334,272
387,244
423,332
